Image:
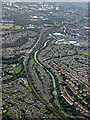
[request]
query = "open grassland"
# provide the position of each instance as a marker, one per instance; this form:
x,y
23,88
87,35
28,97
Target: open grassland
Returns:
x,y
86,52
17,69
11,71
10,26
46,25
53,24
1,24
17,27
6,26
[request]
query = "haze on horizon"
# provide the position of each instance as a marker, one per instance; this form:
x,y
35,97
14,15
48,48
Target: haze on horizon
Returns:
x,y
45,0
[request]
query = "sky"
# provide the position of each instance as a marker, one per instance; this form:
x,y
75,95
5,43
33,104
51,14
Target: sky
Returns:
x,y
45,0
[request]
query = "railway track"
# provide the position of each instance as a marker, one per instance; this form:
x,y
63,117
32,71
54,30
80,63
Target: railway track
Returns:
x,y
46,104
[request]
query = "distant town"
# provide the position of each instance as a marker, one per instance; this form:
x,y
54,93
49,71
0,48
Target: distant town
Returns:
x,y
45,61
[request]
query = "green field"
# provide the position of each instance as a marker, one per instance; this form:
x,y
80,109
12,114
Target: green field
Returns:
x,y
11,24
11,71
85,17
6,26
17,27
56,24
86,52
33,62
63,50
34,19
46,25
17,69
1,24
50,25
